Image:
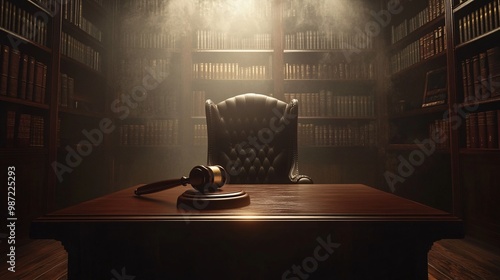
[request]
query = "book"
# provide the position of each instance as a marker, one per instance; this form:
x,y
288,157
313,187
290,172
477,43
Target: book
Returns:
x,y
493,55
40,74
37,131
476,72
23,77
4,69
481,126
71,92
10,128
30,78
14,60
63,91
491,130
498,127
23,130
473,131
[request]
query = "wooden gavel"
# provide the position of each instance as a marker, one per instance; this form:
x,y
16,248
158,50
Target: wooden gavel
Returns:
x,y
203,178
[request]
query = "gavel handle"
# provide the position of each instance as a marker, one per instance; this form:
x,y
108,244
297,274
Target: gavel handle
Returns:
x,y
161,185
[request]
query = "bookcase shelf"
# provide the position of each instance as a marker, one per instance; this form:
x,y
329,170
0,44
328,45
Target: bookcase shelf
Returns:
x,y
23,102
477,151
417,33
489,101
14,36
81,35
327,119
414,147
488,36
420,112
242,51
81,113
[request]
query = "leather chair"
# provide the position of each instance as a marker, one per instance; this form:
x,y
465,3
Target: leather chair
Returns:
x,y
254,137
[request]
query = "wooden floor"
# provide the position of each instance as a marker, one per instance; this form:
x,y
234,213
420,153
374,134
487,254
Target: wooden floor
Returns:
x,y
448,259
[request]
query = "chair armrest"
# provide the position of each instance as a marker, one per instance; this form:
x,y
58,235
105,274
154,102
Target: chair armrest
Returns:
x,y
302,179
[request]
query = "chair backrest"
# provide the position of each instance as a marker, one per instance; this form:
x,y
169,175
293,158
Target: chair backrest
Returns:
x,y
254,137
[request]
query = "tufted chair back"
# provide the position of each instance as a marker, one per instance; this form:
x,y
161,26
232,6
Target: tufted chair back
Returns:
x,y
254,137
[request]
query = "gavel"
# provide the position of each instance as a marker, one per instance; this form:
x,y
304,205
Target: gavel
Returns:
x,y
203,178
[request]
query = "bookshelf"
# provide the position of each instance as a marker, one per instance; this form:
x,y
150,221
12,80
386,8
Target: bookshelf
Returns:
x,y
147,103
226,48
475,55
138,73
418,138
328,65
52,89
25,86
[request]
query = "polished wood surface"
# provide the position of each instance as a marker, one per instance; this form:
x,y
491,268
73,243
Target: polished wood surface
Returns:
x,y
337,201
376,235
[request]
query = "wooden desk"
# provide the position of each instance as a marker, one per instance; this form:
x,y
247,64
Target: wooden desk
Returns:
x,y
347,231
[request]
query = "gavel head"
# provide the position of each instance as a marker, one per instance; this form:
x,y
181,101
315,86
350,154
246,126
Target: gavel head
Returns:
x,y
207,178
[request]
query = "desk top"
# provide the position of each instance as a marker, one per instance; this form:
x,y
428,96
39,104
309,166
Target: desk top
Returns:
x,y
324,202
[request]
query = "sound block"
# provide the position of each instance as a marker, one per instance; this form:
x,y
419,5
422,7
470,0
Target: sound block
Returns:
x,y
195,200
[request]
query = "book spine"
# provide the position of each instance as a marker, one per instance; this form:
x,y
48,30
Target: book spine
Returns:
x,y
11,126
30,79
4,69
479,21
481,125
491,130
24,130
23,77
14,60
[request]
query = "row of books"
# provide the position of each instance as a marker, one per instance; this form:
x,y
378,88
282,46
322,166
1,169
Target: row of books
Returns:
x,y
73,48
327,12
73,13
200,135
439,129
327,104
258,9
230,71
327,40
150,133
150,40
199,98
427,46
137,68
480,21
329,71
24,130
67,91
216,40
483,130
49,5
24,23
150,7
22,76
434,9
361,135
156,104
481,75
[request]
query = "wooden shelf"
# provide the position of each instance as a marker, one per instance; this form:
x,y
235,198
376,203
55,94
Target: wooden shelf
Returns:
x,y
412,147
24,102
420,112
40,47
481,152
480,102
81,113
339,118
419,32
230,51
493,34
29,152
